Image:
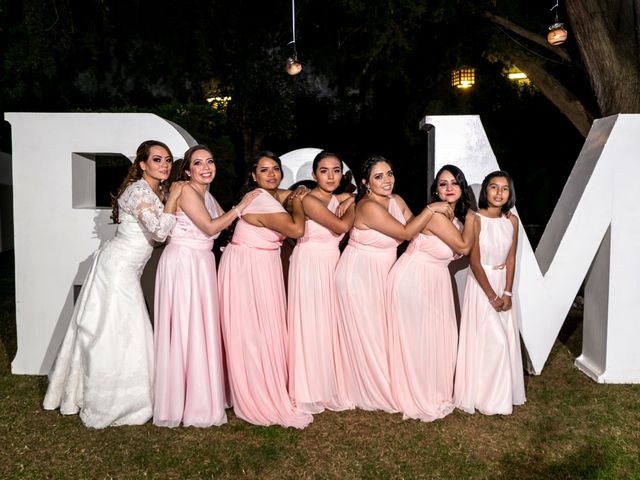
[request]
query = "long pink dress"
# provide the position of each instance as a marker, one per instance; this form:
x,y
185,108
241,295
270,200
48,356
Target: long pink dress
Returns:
x,y
423,334
361,280
489,374
313,317
189,380
254,322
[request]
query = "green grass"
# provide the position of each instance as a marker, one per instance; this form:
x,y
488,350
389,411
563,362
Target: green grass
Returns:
x,y
570,428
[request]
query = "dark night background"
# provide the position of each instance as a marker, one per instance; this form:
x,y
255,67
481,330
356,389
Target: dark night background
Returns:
x,y
372,70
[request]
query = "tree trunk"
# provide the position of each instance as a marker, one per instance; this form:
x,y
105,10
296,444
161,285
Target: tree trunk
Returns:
x,y
608,36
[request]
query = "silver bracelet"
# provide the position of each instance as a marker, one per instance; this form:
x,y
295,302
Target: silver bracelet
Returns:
x,y
507,293
237,210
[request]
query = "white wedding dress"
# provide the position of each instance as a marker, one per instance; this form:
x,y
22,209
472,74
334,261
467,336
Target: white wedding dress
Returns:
x,y
104,368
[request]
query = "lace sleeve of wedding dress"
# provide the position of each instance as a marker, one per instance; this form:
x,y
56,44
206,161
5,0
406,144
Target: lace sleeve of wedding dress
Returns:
x,y
140,201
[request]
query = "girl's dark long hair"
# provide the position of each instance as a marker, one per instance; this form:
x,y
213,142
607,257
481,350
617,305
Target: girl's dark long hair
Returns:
x,y
134,174
482,199
345,182
251,184
365,173
467,199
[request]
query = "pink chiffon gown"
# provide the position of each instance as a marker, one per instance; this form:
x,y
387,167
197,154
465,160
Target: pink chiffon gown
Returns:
x,y
489,374
313,317
423,334
189,380
361,281
253,312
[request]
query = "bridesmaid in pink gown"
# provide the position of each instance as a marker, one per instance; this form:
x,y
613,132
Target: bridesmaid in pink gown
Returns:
x,y
489,374
382,221
252,301
423,334
189,379
312,303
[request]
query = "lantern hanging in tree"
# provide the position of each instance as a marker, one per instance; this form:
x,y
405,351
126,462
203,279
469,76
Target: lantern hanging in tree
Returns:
x,y
293,67
557,33
463,77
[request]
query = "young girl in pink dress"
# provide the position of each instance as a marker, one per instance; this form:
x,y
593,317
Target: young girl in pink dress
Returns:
x,y
189,379
423,334
489,373
252,301
382,222
312,303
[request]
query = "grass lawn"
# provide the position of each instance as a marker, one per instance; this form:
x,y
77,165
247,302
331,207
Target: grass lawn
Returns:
x,y
570,427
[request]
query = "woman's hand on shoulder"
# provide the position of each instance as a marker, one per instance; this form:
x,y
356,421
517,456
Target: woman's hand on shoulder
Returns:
x,y
442,207
345,205
176,188
247,199
283,196
345,196
300,192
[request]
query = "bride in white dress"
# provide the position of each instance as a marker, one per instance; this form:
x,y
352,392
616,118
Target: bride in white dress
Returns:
x,y
104,368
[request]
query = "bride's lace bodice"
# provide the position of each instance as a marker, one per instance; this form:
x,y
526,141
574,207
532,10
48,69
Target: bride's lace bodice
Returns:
x,y
142,211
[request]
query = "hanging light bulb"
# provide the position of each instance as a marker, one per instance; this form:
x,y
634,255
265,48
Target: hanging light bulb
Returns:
x,y
557,33
293,66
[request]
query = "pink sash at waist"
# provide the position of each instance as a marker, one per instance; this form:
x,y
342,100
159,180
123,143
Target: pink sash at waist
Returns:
x,y
196,243
255,248
424,256
316,245
371,248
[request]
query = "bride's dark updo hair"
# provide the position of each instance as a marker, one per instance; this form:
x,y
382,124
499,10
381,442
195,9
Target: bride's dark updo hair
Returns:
x,y
135,173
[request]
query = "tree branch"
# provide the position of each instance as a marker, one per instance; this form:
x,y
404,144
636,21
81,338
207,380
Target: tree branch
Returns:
x,y
533,37
568,104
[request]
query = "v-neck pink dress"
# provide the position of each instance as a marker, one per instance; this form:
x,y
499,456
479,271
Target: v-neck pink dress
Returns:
x,y
189,379
313,319
254,322
423,334
361,282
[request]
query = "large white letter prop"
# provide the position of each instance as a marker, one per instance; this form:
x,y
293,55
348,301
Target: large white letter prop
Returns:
x,y
54,241
595,218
